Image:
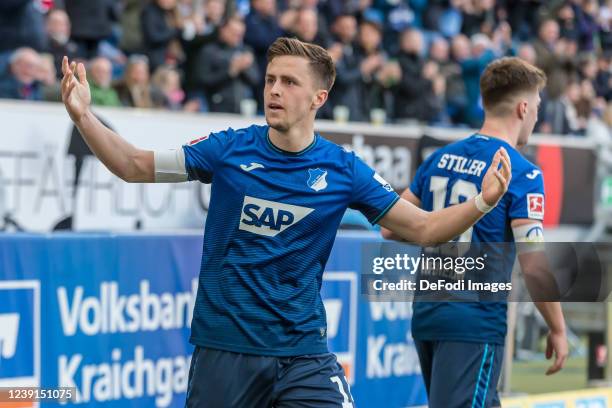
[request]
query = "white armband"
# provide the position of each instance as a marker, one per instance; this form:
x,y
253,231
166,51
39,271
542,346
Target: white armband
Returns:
x,y
529,237
170,166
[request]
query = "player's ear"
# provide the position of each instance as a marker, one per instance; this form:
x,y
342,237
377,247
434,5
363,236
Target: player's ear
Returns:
x,y
521,109
319,98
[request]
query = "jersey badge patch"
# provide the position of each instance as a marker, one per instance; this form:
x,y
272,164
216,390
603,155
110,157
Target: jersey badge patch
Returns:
x,y
317,179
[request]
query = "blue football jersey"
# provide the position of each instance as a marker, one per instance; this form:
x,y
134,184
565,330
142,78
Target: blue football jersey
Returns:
x,y
272,220
451,175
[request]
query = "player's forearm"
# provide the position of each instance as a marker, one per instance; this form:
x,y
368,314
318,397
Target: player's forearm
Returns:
x,y
553,315
120,157
445,224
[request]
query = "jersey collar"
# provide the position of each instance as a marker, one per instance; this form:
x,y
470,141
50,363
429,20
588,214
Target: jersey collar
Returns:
x,y
285,152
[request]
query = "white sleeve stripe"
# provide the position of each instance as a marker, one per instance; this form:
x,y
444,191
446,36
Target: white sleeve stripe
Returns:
x,y
170,166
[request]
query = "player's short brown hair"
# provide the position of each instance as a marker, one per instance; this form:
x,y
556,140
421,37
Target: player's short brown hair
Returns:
x,y
504,79
320,61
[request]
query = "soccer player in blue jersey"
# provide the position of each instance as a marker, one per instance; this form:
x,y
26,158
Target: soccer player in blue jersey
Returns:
x,y
278,195
460,344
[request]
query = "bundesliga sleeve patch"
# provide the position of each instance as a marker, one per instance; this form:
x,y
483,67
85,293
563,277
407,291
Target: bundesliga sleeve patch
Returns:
x,y
196,141
535,206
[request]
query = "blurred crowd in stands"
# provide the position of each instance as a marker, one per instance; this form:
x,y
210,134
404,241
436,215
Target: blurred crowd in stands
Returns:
x,y
407,60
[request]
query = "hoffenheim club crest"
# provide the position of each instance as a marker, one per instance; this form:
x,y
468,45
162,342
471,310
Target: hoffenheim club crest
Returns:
x,y
316,179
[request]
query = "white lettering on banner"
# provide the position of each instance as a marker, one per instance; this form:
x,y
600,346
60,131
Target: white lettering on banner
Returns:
x,y
111,312
390,311
391,359
137,378
392,163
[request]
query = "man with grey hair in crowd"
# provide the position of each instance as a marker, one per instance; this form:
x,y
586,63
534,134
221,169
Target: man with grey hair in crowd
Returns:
x,y
21,80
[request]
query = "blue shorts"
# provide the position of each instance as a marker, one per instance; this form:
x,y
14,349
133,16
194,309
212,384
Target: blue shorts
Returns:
x,y
460,374
222,379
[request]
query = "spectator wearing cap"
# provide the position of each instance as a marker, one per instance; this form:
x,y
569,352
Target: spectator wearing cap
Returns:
x,y
414,94
59,44
160,28
228,71
22,79
100,81
92,21
346,90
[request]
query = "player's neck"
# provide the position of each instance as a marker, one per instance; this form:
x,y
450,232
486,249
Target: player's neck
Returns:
x,y
293,140
500,129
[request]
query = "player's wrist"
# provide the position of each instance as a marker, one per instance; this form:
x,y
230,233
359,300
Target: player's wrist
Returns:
x,y
82,117
482,205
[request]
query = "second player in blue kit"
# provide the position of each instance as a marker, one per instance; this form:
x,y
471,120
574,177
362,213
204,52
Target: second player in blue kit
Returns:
x,y
461,343
278,195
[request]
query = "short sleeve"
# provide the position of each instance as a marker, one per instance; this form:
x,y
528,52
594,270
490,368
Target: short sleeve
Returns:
x,y
202,155
372,195
527,195
418,182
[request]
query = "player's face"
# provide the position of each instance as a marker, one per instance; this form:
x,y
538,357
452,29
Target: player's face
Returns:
x,y
531,105
291,94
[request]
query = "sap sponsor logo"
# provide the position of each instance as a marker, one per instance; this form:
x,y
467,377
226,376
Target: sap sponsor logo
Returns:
x,y
339,294
387,359
535,206
317,179
112,312
118,379
20,334
393,163
269,218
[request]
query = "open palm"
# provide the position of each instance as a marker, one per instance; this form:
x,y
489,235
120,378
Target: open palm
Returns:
x,y
75,89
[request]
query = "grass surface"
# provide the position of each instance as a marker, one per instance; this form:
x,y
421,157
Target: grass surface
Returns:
x,y
528,376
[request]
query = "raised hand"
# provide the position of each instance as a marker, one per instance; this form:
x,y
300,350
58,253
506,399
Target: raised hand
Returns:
x,y
75,89
496,181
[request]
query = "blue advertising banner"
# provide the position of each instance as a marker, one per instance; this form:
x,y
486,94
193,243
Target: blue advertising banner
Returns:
x,y
110,315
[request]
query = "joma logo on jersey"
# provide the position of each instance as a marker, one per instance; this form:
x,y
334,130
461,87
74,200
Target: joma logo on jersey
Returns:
x,y
269,218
